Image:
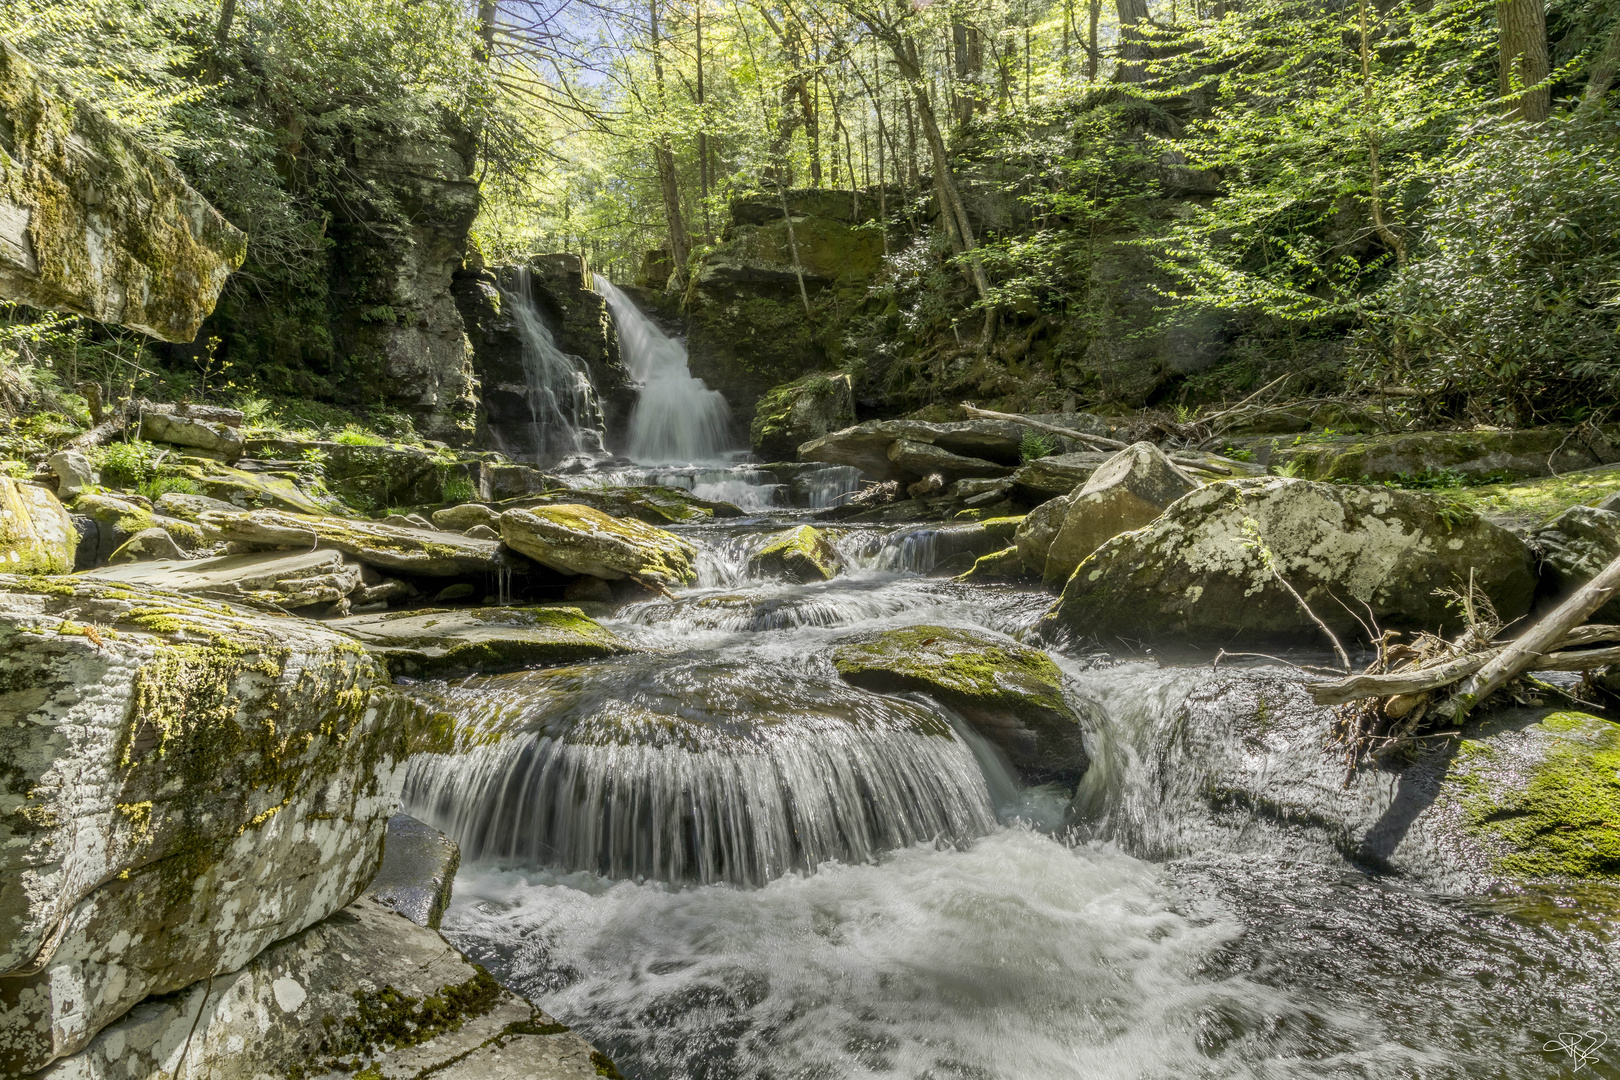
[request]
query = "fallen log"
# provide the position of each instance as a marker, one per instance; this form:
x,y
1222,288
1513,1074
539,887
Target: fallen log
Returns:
x,y
1097,441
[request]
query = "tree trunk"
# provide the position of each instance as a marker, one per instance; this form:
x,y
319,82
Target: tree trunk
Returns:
x,y
664,158
1604,68
967,50
1523,48
1093,52
703,134
222,32
1133,52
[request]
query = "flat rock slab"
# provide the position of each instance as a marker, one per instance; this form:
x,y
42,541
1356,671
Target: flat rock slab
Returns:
x,y
424,552
287,579
95,223
1049,477
418,871
460,641
239,488
187,783
1009,693
330,1003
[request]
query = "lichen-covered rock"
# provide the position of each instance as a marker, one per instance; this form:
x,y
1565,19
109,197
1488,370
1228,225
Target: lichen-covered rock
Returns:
x,y
463,517
1011,694
1196,572
73,472
187,507
425,552
118,519
1126,492
654,505
437,643
364,992
418,871
242,489
1574,547
800,554
921,459
36,534
578,539
866,446
188,783
1506,455
799,411
211,436
93,222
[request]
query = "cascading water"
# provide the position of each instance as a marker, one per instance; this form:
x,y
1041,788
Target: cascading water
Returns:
x,y
887,902
566,416
677,418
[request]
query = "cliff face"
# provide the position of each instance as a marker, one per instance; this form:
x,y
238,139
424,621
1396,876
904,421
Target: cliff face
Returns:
x,y
94,223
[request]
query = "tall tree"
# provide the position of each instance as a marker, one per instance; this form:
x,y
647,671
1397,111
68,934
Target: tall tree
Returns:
x,y
1133,50
664,158
1524,65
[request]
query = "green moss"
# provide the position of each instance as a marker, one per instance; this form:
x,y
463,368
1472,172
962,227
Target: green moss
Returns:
x,y
1565,821
1534,502
998,566
388,1019
800,554
962,666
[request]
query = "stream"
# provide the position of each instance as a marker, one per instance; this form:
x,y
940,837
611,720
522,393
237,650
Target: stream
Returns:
x,y
717,860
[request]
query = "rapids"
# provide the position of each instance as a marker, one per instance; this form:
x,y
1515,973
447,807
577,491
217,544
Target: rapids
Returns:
x,y
716,860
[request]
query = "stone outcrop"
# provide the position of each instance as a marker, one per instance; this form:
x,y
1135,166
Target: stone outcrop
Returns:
x,y
866,446
290,580
654,505
439,643
465,516
36,535
164,427
422,552
797,412
1131,489
577,539
560,288
1574,547
1197,571
802,555
365,992
1503,455
1050,477
1011,694
187,784
1039,528
92,222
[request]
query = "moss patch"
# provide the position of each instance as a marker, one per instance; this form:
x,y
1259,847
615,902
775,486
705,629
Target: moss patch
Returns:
x,y
1001,566
388,1019
1562,820
1533,502
800,554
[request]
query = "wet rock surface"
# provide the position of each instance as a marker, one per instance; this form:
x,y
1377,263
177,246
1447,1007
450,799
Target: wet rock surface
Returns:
x,y
1010,694
801,555
1126,492
426,552
191,782
1574,548
1197,574
429,642
418,871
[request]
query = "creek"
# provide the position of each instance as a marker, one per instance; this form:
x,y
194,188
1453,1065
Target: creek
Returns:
x,y
715,859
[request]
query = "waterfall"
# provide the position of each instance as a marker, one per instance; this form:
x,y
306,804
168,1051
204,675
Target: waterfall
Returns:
x,y
677,418
567,419
650,774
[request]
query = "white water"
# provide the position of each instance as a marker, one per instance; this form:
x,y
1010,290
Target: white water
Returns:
x,y
567,419
990,951
677,418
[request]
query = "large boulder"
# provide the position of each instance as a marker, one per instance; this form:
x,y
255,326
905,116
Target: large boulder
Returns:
x,y
423,552
866,446
95,223
652,504
802,554
926,459
119,519
73,472
465,516
1009,693
1574,547
1197,572
799,411
580,540
1039,528
242,489
1046,478
188,783
1479,455
1131,489
214,437
36,535
438,643
366,992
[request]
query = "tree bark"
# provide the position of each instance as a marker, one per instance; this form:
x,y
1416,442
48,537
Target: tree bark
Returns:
x,y
222,32
664,158
1133,51
1524,62
1093,53
1604,68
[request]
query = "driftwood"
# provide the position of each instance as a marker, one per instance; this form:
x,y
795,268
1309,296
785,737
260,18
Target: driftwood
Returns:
x,y
1097,441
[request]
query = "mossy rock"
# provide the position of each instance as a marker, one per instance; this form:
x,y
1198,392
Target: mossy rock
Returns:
x,y
651,504
799,411
1543,800
800,554
441,643
1009,693
36,534
244,490
1525,504
1005,566
579,539
1503,455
